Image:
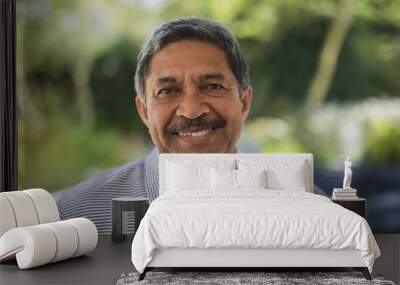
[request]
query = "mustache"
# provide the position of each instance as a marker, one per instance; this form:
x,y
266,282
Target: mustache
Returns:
x,y
199,122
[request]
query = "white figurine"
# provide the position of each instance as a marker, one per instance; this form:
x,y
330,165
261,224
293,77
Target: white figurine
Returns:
x,y
347,174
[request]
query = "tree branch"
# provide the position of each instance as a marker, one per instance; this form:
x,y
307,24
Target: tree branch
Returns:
x,y
329,55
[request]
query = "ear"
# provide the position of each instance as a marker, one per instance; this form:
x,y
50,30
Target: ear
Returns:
x,y
246,102
142,110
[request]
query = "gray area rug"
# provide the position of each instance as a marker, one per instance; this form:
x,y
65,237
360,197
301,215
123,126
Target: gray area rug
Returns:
x,y
225,278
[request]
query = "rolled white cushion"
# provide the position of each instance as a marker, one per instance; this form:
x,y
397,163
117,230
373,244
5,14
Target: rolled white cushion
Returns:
x,y
40,244
45,205
7,218
87,235
33,246
67,239
23,208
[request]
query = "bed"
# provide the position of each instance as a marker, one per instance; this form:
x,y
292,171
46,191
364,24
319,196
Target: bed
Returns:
x,y
247,211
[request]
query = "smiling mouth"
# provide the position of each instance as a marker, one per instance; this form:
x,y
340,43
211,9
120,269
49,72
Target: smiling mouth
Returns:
x,y
196,129
195,134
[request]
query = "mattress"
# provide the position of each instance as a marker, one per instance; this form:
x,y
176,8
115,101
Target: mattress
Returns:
x,y
250,219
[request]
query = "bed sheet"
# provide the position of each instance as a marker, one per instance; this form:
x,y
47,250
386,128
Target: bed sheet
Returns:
x,y
251,218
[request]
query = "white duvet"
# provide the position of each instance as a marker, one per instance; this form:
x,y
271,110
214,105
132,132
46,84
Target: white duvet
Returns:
x,y
250,219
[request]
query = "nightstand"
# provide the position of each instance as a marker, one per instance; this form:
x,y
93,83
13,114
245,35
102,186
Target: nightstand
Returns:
x,y
358,206
120,208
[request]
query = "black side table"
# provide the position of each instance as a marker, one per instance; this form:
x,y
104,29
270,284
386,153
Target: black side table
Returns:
x,y
120,208
358,206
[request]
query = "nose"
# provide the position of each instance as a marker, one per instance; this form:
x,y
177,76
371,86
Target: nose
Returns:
x,y
191,104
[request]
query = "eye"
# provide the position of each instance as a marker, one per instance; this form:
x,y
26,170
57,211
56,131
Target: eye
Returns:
x,y
168,91
212,87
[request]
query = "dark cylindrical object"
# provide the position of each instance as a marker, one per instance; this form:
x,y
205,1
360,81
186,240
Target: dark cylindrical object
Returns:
x,y
120,208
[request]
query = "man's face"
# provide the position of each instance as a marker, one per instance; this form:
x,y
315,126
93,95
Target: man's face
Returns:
x,y
193,103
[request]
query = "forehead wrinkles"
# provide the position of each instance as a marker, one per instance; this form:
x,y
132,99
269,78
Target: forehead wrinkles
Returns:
x,y
181,74
188,60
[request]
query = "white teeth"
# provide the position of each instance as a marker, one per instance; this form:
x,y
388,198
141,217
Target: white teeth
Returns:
x,y
195,134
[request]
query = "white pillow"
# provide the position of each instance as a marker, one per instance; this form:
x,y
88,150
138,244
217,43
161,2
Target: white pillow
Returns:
x,y
226,179
251,178
181,177
184,174
223,179
282,174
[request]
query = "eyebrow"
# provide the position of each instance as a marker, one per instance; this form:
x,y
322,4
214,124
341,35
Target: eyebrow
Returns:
x,y
166,79
212,76
203,78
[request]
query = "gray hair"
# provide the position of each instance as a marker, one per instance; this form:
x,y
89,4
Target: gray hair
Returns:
x,y
191,29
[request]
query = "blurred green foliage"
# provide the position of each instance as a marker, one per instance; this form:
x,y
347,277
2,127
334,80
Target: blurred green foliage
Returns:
x,y
76,61
111,80
55,156
368,131
382,142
